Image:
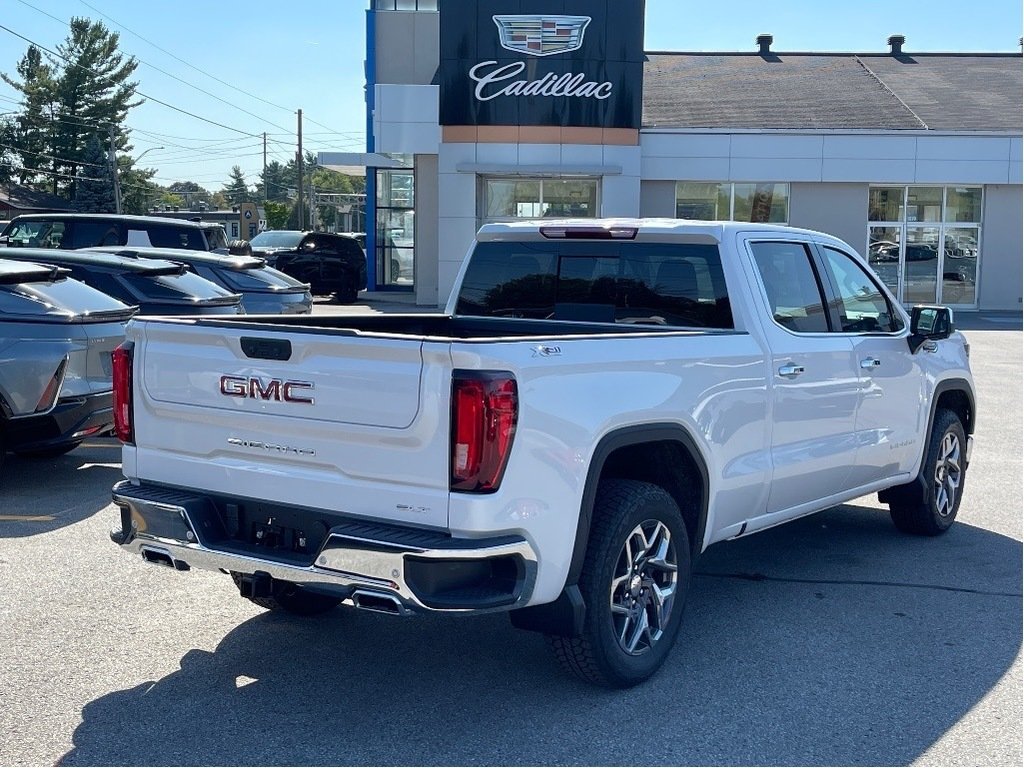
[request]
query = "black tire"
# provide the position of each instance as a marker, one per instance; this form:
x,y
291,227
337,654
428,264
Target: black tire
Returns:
x,y
293,599
928,506
599,655
346,296
53,452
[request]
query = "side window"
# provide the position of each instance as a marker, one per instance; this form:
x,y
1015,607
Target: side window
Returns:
x,y
861,306
791,285
87,233
37,234
189,238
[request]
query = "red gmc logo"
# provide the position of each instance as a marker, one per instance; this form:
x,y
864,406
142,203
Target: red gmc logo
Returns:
x,y
275,389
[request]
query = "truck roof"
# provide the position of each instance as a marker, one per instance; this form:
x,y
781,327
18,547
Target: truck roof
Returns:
x,y
716,230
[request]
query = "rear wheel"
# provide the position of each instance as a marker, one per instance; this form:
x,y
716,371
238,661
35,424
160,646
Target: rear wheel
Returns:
x,y
346,296
50,453
929,505
291,598
634,582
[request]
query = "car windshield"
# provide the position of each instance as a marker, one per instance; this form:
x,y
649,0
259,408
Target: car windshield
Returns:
x,y
35,233
276,240
216,237
257,278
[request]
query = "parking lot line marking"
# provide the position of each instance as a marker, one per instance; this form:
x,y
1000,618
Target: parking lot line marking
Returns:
x,y
27,518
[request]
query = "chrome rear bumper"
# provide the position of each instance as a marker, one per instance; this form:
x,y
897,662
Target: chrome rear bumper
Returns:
x,y
369,566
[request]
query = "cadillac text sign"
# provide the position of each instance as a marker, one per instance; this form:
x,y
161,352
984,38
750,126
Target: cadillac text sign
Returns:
x,y
526,62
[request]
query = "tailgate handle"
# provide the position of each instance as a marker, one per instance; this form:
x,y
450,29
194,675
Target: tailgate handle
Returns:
x,y
266,349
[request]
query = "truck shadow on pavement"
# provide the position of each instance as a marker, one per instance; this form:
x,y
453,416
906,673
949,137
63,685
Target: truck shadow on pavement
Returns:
x,y
76,486
833,640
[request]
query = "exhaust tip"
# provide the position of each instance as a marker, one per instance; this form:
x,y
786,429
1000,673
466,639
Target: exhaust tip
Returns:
x,y
376,601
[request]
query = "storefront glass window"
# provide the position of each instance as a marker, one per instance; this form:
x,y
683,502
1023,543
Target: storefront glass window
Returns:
x,y
924,204
395,227
963,204
764,202
886,203
507,199
905,251
698,200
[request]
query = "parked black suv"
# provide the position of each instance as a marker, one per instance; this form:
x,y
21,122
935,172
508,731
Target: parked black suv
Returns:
x,y
329,263
86,230
155,286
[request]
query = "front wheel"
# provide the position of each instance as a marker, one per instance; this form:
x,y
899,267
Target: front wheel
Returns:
x,y
929,505
634,582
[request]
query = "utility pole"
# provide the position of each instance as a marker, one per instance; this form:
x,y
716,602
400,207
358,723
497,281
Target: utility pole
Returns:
x,y
298,165
113,170
266,188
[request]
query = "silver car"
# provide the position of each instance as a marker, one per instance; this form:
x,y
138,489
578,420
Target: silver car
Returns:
x,y
56,338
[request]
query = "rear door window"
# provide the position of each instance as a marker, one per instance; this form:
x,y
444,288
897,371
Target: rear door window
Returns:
x,y
791,286
88,233
598,281
189,238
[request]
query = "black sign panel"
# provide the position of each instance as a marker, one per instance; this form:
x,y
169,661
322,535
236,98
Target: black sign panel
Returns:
x,y
542,62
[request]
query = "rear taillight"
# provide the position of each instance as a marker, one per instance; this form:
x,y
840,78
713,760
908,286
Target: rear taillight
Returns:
x,y
485,407
122,357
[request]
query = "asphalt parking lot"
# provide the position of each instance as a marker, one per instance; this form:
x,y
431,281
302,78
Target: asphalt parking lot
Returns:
x,y
831,640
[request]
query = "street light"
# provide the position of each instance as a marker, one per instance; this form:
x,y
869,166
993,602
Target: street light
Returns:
x,y
144,154
117,174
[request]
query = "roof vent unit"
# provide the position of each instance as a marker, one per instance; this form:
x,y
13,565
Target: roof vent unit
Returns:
x,y
896,44
764,44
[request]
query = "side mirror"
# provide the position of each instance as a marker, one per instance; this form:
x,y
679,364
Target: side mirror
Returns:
x,y
5,240
929,323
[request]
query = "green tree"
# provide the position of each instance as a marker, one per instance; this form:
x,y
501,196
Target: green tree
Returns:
x,y
190,193
277,214
86,88
94,184
7,134
138,192
237,190
275,182
33,138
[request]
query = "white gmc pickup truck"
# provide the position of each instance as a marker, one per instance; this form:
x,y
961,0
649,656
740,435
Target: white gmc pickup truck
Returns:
x,y
599,403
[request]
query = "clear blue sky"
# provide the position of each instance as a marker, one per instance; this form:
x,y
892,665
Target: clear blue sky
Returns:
x,y
309,54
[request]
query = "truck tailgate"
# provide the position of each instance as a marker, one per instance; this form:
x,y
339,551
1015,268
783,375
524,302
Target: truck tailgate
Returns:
x,y
351,422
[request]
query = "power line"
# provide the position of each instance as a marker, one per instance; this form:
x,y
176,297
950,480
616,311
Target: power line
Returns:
x,y
52,157
165,72
140,93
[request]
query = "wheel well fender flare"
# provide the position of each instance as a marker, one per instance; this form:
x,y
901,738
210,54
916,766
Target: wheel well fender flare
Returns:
x,y
951,385
631,436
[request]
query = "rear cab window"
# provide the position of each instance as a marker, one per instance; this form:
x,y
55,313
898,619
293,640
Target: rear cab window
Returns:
x,y
186,285
673,284
49,298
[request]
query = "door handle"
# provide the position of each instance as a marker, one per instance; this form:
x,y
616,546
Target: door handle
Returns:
x,y
790,370
870,362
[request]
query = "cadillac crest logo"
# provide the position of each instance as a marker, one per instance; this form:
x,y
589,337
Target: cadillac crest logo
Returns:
x,y
541,35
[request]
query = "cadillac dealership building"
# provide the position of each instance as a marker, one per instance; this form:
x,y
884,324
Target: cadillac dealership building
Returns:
x,y
503,109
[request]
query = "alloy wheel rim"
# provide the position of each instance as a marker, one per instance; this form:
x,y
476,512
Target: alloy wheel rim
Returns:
x,y
947,474
643,587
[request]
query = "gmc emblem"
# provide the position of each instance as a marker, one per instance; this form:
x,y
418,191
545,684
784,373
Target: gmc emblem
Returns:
x,y
276,389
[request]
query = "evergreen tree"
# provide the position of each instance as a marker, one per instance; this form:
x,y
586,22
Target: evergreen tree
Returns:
x,y
138,191
85,88
94,183
191,194
7,160
236,190
274,183
33,139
